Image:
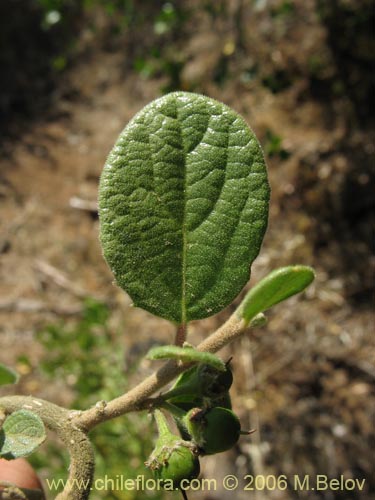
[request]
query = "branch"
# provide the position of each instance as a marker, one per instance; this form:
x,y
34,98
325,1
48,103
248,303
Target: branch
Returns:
x,y
138,398
72,426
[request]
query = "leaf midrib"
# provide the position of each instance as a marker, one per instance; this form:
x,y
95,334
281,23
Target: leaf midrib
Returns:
x,y
184,239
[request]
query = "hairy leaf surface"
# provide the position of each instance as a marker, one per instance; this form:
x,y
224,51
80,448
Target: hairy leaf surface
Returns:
x,y
183,206
21,434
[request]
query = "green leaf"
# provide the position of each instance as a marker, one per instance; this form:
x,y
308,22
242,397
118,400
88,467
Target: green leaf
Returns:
x,y
274,288
183,206
258,321
21,434
187,355
7,375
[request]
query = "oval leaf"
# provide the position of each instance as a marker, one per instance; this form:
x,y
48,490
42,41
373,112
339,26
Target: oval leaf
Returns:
x,y
21,434
187,355
7,375
183,206
274,288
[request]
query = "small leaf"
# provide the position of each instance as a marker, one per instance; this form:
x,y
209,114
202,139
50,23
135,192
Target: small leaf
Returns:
x,y
183,206
7,375
187,355
274,288
21,434
258,321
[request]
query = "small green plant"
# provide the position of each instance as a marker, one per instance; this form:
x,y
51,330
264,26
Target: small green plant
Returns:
x,y
183,205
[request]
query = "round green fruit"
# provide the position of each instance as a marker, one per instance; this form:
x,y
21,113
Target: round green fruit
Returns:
x,y
214,430
173,459
181,464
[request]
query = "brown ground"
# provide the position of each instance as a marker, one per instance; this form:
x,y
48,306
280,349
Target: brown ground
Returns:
x,y
308,384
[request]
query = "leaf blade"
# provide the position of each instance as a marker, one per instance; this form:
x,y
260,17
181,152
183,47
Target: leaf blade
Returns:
x,y
183,206
187,355
277,286
21,433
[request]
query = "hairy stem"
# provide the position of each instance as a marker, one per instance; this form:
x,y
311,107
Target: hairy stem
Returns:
x,y
161,423
174,410
180,334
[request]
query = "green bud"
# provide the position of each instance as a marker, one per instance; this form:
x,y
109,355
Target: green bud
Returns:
x,y
218,382
198,384
214,430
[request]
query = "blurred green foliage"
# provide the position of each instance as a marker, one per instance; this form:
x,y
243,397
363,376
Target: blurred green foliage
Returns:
x,y
166,19
87,360
40,38
277,81
273,146
285,8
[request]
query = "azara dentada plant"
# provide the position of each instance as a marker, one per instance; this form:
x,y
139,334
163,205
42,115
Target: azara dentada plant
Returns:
x,y
183,207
